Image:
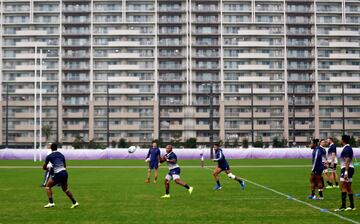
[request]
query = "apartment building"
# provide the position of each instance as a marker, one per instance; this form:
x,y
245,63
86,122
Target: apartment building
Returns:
x,y
145,69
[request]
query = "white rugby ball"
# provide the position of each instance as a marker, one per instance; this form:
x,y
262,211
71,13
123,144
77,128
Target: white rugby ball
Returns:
x,y
132,149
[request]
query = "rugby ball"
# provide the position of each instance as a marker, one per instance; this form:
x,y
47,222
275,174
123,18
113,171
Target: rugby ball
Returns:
x,y
132,149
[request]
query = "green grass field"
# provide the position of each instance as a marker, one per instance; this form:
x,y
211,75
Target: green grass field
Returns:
x,y
114,191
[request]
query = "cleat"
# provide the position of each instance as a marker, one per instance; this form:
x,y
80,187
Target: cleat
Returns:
x,y
320,198
350,209
242,183
217,187
49,205
339,209
337,186
75,205
190,190
147,181
329,187
155,181
166,196
312,197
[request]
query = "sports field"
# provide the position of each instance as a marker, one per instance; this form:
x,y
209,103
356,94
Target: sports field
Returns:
x,y
114,191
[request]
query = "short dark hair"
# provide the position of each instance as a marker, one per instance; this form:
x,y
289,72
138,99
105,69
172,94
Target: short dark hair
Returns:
x,y
315,141
54,147
345,138
331,139
217,144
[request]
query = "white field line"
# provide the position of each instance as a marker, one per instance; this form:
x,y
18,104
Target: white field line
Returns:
x,y
300,201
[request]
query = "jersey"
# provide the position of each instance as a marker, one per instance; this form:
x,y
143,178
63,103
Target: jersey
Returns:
x,y
172,156
347,152
57,159
332,149
153,154
317,159
220,158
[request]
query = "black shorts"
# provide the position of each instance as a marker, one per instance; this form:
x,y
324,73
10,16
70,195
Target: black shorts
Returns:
x,y
61,177
153,165
332,169
351,172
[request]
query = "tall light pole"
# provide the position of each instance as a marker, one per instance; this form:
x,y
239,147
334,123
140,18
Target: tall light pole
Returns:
x,y
343,108
40,106
35,104
211,119
7,116
107,115
293,114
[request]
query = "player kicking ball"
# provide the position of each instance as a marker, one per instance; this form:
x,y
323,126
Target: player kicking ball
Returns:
x,y
223,166
174,172
60,176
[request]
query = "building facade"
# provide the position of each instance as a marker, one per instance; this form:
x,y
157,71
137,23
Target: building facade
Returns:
x,y
148,69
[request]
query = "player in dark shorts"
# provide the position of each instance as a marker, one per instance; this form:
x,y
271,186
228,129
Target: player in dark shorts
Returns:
x,y
223,166
332,163
153,158
347,172
174,172
317,170
60,176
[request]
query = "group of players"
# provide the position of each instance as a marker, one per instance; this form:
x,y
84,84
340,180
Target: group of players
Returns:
x,y
323,163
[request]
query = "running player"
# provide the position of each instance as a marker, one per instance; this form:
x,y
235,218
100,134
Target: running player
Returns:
x,y
60,176
223,166
332,163
174,172
153,158
347,172
317,170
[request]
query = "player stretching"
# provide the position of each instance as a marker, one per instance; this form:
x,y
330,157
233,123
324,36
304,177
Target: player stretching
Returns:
x,y
347,171
223,166
174,172
317,170
332,162
60,176
153,158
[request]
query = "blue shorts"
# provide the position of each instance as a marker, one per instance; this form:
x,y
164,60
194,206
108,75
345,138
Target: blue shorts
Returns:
x,y
61,177
173,174
153,165
224,166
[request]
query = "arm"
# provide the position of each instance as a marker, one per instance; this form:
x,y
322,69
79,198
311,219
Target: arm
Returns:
x,y
333,156
148,155
46,163
220,156
347,163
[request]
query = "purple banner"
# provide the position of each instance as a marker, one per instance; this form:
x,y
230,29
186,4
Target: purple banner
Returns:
x,y
96,154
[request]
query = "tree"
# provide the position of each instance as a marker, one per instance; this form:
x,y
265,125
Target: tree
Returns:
x,y
113,144
46,130
258,143
337,142
245,143
279,143
95,145
176,139
123,143
79,142
353,142
235,143
191,143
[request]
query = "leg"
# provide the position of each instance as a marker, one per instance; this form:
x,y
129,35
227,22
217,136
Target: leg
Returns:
x,y
66,190
182,183
148,175
216,173
232,176
343,194
312,184
51,183
350,194
156,174
167,186
320,186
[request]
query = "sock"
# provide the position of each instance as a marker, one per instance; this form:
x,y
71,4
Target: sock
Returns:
x,y
321,193
343,199
187,186
337,183
73,200
51,200
167,191
218,183
312,193
322,181
351,199
329,183
155,178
